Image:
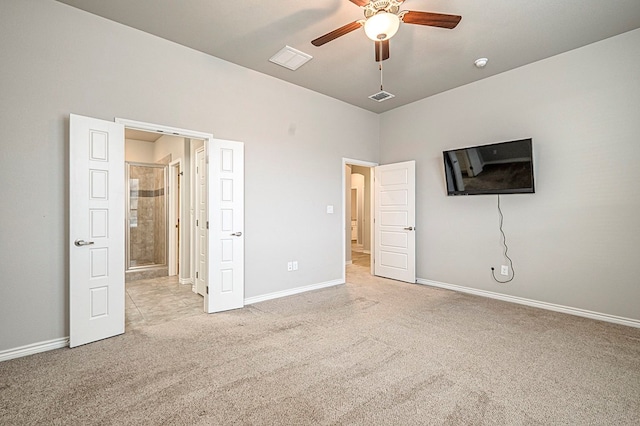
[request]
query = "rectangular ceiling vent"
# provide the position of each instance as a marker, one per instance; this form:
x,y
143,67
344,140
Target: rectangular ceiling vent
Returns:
x,y
381,96
291,58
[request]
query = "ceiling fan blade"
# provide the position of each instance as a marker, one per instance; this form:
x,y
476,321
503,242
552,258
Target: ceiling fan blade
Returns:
x,y
382,50
431,19
345,29
360,2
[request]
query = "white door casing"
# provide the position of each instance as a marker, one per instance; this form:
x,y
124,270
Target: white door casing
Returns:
x,y
201,222
96,230
226,226
175,209
394,253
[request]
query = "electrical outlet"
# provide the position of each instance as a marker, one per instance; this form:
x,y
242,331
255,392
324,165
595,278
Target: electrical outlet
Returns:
x,y
295,265
290,266
504,270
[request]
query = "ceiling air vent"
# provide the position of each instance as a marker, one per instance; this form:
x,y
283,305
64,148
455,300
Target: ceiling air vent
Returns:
x,y
291,58
381,96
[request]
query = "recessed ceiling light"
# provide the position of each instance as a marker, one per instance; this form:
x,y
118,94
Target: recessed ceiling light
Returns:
x,y
291,58
481,62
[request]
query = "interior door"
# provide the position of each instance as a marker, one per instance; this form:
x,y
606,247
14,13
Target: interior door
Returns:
x,y
226,226
395,241
201,222
96,230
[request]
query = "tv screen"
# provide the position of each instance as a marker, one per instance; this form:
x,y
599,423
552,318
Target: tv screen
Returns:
x,y
499,168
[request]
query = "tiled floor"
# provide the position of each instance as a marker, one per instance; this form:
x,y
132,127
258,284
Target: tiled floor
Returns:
x,y
359,257
157,300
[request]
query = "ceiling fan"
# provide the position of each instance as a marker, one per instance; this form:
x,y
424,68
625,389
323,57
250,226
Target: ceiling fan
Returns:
x,y
382,19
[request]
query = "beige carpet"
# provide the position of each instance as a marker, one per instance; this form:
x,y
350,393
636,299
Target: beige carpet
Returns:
x,y
372,352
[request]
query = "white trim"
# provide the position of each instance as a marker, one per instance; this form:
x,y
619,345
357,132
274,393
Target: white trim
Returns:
x,y
349,262
174,198
362,163
535,303
291,292
34,348
185,281
157,128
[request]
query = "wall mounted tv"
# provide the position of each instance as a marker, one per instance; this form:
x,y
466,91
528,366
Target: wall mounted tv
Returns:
x,y
499,168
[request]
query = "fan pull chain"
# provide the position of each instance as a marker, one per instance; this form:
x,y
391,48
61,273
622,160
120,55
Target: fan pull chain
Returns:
x,y
381,89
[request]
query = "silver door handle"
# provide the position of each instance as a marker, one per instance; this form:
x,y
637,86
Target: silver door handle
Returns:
x,y
80,243
410,228
237,234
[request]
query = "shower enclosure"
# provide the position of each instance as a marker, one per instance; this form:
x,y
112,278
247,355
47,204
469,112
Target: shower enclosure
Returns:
x,y
146,231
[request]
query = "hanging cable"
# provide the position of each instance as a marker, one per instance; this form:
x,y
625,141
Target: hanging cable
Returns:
x,y
506,249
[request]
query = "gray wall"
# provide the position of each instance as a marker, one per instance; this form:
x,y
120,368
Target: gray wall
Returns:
x,y
58,60
574,242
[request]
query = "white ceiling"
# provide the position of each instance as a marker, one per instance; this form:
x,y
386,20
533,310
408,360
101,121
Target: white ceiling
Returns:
x,y
424,60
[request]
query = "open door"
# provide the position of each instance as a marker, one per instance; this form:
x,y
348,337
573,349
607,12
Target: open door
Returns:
x,y
225,275
96,230
395,240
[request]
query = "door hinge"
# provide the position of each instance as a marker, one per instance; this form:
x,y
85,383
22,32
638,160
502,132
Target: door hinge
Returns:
x,y
207,224
197,222
207,289
196,274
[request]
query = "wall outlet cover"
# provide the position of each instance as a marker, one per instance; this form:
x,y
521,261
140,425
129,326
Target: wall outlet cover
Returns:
x,y
504,270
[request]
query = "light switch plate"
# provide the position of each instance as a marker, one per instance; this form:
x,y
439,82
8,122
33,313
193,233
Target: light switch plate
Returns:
x,y
330,209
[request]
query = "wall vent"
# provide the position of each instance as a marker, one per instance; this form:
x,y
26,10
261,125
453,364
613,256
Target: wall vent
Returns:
x,y
381,96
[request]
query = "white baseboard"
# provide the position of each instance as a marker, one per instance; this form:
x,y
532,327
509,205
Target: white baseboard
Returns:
x,y
349,262
534,303
367,251
34,348
185,281
291,292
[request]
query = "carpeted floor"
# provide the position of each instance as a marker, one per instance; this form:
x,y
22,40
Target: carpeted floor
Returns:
x,y
371,352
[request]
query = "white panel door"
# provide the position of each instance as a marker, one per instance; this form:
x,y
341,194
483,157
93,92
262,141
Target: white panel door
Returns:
x,y
201,222
96,230
226,226
395,240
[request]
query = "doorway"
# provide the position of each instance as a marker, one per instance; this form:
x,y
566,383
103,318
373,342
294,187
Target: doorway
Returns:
x,y
390,209
358,214
159,284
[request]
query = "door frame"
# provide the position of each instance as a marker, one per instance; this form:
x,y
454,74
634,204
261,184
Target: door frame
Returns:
x,y
370,165
175,216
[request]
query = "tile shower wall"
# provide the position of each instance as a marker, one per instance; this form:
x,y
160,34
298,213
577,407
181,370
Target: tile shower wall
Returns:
x,y
147,227
160,222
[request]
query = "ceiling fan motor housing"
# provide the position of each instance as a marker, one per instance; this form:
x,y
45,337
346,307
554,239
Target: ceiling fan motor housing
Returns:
x,y
374,7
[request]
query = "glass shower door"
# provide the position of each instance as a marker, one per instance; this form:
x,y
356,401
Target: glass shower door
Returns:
x,y
146,216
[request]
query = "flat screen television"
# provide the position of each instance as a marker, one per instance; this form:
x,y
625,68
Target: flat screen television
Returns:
x,y
499,168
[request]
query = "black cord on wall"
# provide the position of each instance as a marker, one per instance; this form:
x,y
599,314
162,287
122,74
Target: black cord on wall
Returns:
x,y
506,249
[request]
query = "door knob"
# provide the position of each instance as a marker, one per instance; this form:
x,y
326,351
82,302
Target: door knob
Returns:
x,y
237,234
80,243
410,228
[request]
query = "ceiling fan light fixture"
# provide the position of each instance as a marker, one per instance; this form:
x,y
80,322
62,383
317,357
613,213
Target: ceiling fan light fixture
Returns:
x,y
382,26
